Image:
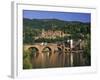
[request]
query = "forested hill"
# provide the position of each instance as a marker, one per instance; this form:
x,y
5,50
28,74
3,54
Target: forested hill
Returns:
x,y
51,23
33,28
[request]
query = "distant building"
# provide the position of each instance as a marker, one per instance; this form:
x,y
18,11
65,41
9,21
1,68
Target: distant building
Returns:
x,y
52,34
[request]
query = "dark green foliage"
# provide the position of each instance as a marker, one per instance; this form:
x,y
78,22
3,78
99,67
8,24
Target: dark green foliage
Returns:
x,y
27,60
87,50
33,28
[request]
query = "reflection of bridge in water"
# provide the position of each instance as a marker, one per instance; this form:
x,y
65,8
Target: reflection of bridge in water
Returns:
x,y
54,55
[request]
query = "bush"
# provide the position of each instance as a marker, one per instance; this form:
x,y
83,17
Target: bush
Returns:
x,y
26,60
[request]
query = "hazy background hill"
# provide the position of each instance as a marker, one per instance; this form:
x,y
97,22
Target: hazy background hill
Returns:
x,y
51,23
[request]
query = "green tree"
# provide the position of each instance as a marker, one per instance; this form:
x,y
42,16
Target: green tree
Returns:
x,y
27,60
87,49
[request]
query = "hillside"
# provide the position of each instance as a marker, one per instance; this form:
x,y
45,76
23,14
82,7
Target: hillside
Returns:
x,y
33,28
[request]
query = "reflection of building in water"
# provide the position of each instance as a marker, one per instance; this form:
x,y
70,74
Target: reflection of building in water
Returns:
x,y
52,34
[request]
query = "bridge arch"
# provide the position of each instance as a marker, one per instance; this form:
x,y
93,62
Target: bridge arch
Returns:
x,y
34,51
47,50
59,50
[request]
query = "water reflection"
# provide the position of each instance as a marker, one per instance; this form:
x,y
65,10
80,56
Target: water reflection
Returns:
x,y
58,56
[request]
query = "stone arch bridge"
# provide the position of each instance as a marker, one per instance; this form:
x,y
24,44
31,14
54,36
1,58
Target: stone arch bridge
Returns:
x,y
51,46
64,56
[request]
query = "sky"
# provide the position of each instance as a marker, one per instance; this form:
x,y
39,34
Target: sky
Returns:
x,y
66,16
